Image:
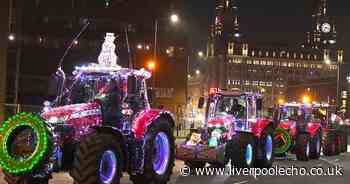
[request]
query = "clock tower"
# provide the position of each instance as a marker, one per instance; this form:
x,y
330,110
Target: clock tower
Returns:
x,y
323,34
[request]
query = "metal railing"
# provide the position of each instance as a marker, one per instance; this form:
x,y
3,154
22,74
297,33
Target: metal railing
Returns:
x,y
12,109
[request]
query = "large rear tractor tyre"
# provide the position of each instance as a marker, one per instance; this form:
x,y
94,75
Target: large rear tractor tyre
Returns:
x,y
266,157
302,149
330,145
241,150
98,159
159,150
316,145
24,179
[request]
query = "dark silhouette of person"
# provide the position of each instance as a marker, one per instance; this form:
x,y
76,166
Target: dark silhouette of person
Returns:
x,y
237,109
111,103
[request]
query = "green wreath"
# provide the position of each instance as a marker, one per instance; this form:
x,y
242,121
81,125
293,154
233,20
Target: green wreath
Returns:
x,y
9,127
282,136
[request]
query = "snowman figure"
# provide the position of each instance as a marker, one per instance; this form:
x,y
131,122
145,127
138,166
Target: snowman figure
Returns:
x,y
107,55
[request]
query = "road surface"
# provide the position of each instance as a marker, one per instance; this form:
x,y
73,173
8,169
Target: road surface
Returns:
x,y
342,161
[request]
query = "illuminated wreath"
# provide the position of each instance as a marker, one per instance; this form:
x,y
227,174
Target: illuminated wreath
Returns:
x,y
7,134
283,141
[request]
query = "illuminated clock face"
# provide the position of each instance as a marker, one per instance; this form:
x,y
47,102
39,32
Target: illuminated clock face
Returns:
x,y
326,27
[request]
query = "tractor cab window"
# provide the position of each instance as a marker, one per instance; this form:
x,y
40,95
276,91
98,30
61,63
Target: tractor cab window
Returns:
x,y
251,108
231,105
87,87
319,114
290,113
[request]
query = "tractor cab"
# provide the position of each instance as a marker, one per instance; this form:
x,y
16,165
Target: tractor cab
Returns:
x,y
236,108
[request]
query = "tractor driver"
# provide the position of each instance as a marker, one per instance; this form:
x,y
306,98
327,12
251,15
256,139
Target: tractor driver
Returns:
x,y
237,109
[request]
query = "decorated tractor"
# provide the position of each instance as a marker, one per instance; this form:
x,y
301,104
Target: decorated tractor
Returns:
x,y
234,132
99,126
305,129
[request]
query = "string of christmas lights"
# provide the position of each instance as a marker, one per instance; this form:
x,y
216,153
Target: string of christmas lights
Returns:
x,y
12,165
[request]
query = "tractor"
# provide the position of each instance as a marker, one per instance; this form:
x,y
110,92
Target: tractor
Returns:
x,y
305,129
99,126
234,132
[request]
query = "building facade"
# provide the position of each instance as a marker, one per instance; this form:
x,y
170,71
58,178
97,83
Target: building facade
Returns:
x,y
4,32
234,63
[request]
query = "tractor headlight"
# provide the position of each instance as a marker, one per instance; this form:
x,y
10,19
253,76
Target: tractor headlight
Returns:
x,y
58,120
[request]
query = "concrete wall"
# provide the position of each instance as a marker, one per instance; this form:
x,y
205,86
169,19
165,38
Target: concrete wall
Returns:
x,y
4,18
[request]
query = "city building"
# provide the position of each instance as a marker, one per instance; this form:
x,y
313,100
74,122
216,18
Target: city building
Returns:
x,y
233,63
44,30
4,26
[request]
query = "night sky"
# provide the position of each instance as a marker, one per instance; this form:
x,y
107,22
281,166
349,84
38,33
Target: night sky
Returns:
x,y
268,21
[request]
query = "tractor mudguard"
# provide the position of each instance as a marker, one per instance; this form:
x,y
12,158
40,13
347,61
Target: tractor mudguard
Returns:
x,y
313,128
146,117
259,127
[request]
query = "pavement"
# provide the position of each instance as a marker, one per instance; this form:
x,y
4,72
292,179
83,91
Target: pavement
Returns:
x,y
342,161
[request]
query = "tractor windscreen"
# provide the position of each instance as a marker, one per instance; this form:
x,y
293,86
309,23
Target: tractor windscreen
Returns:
x,y
88,87
290,112
232,105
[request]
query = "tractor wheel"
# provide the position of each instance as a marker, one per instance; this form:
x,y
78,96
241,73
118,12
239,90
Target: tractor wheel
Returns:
x,y
315,147
241,150
302,149
24,179
330,145
159,154
266,149
98,159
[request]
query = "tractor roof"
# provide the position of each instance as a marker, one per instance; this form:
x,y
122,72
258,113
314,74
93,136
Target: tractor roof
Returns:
x,y
94,68
238,93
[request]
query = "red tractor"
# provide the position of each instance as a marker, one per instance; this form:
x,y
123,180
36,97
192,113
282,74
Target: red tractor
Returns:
x,y
99,126
234,130
306,128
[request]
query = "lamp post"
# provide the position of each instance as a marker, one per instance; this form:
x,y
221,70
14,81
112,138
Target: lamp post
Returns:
x,y
328,62
151,66
174,18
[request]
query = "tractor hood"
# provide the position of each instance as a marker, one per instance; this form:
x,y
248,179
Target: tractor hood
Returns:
x,y
220,121
71,114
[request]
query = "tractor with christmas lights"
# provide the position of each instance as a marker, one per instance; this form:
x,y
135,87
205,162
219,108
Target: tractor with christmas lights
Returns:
x,y
234,131
99,126
305,128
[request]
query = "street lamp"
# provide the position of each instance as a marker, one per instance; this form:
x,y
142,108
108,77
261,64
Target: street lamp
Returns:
x,y
200,54
306,99
198,72
151,65
328,62
174,18
11,37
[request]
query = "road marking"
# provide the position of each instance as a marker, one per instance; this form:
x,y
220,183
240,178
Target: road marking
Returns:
x,y
241,182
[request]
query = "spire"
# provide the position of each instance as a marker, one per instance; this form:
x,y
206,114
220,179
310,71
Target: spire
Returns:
x,y
323,8
226,17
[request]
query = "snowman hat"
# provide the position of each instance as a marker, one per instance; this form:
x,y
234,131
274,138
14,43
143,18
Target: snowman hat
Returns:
x,y
110,35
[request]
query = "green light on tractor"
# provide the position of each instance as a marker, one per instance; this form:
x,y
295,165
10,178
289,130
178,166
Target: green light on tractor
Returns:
x,y
39,127
283,141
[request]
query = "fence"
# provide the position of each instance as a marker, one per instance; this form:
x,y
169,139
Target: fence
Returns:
x,y
11,109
